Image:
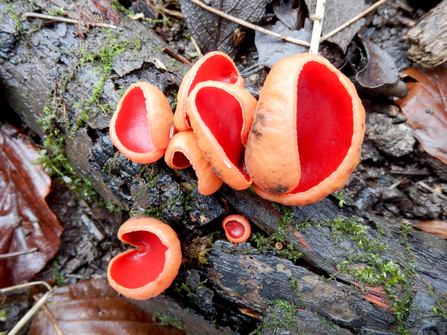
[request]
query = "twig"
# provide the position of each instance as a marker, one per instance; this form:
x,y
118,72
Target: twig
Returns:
x,y
170,12
63,19
178,57
18,253
351,21
318,26
33,309
50,316
424,185
249,25
196,46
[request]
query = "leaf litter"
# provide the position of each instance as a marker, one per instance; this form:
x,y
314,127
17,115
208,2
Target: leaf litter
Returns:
x,y
26,222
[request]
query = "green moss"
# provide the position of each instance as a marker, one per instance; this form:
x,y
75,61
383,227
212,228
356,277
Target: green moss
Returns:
x,y
3,313
169,320
440,308
341,198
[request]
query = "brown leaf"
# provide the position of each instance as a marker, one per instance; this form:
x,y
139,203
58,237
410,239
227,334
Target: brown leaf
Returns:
x,y
290,12
104,8
425,108
93,307
215,33
25,219
435,227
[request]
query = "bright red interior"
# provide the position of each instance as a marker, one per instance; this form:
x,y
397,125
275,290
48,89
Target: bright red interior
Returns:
x,y
180,160
143,265
132,127
217,68
235,229
222,113
324,124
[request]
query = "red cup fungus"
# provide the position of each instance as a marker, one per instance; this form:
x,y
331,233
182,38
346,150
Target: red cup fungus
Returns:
x,y
221,116
147,270
307,131
215,66
184,151
237,228
141,123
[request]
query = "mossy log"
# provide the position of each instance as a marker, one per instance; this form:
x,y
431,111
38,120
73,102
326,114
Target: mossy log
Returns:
x,y
347,271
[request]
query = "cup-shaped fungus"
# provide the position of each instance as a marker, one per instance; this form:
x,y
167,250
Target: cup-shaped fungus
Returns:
x,y
147,270
221,115
184,151
237,228
215,66
307,131
141,123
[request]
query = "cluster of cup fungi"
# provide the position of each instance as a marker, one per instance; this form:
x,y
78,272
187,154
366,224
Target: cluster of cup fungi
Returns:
x,y
299,142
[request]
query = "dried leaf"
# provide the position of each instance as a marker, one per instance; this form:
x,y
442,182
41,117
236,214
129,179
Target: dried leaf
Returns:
x,y
215,33
272,49
290,12
25,219
425,108
435,227
104,8
93,307
336,13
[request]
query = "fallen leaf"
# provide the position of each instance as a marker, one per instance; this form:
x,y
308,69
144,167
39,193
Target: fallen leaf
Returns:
x,y
435,227
425,108
336,13
26,221
93,307
290,12
272,49
104,8
215,33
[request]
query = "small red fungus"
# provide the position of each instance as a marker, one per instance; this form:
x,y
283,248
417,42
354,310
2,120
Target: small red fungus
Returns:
x,y
307,131
183,151
237,228
215,66
140,125
221,116
148,270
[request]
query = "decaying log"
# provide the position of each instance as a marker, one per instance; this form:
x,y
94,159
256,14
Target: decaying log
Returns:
x,y
428,38
49,74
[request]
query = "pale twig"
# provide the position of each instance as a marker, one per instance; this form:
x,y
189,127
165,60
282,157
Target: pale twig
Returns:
x,y
176,56
250,25
18,253
424,185
50,316
196,46
33,309
63,19
351,21
318,26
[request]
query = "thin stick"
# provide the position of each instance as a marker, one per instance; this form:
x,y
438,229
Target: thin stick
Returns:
x,y
351,21
18,253
318,26
50,316
178,57
424,185
63,19
199,52
249,25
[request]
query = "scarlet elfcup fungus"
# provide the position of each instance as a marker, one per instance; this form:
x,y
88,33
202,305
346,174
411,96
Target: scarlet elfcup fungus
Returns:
x,y
237,228
307,131
148,270
215,66
182,152
141,123
221,115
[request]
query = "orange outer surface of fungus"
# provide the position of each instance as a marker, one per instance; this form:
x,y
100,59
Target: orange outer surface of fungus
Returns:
x,y
221,116
237,228
183,151
216,66
148,270
307,131
140,125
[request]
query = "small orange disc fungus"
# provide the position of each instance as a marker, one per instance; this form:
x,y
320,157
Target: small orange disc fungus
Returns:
x,y
215,66
141,123
148,270
183,151
237,228
307,131
221,115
